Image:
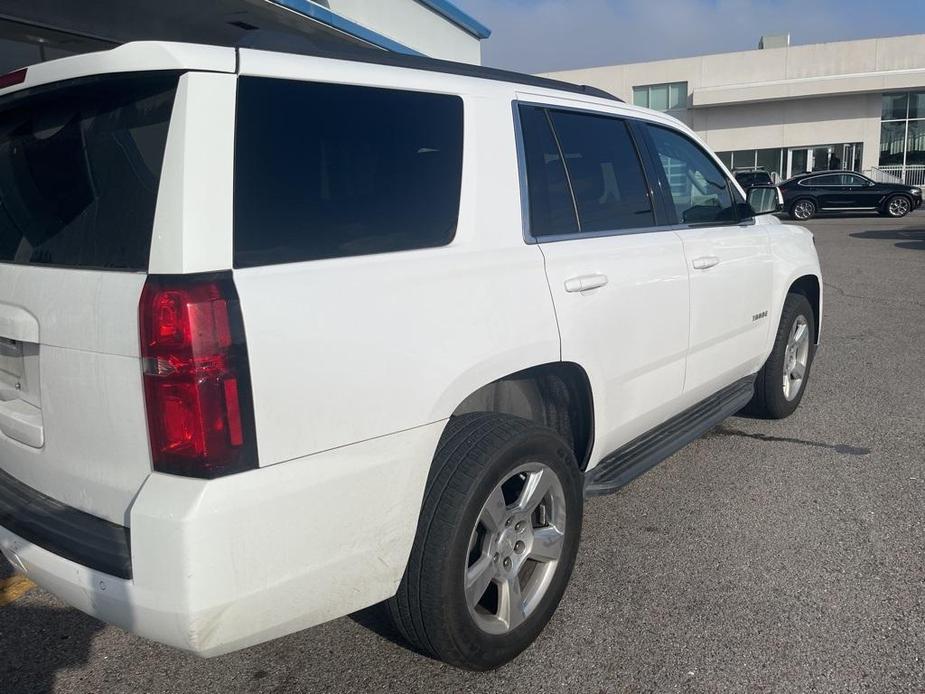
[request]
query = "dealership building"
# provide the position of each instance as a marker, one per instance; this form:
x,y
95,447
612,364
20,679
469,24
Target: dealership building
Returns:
x,y
851,104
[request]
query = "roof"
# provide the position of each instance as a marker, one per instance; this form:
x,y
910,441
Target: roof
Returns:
x,y
373,56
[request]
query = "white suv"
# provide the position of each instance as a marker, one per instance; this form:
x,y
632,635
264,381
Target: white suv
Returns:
x,y
286,336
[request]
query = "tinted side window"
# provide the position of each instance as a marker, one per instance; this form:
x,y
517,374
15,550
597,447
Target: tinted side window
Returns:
x,y
830,180
327,170
552,210
604,171
698,187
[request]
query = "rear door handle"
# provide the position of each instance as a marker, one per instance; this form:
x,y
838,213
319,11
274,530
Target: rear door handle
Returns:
x,y
585,282
706,262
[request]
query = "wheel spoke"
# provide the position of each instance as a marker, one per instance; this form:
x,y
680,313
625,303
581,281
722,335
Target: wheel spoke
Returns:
x,y
478,578
536,488
800,334
798,371
547,544
511,606
494,512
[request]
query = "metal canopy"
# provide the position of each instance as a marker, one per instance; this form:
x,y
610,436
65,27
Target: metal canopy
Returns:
x,y
86,26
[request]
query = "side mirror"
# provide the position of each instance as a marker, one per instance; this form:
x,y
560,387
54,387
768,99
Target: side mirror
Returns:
x,y
765,199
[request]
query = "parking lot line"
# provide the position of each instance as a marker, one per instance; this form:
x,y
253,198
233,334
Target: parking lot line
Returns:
x,y
13,588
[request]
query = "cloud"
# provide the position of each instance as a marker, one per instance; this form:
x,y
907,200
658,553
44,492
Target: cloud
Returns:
x,y
543,35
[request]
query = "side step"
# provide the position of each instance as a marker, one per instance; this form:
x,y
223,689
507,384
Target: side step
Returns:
x,y
645,452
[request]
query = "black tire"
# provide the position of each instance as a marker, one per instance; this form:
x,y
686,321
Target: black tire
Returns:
x,y
474,455
769,400
887,210
813,208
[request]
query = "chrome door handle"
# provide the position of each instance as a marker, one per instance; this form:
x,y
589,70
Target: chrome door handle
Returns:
x,y
585,282
706,262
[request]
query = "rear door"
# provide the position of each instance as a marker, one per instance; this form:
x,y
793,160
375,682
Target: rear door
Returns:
x,y
728,260
80,165
618,280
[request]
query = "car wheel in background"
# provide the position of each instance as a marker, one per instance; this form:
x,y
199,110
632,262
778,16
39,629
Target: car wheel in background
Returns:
x,y
897,206
496,541
803,209
781,383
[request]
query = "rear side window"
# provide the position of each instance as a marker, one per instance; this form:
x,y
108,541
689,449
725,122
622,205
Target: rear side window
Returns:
x,y
586,164
327,170
552,210
80,165
699,188
607,181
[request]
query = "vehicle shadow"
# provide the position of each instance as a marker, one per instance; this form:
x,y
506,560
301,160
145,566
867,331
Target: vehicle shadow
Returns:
x,y
907,238
40,641
376,620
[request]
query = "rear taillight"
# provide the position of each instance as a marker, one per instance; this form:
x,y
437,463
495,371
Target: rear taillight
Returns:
x,y
196,376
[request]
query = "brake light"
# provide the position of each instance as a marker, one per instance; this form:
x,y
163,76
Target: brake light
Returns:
x,y
196,376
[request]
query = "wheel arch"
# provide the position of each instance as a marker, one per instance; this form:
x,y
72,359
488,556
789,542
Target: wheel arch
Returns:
x,y
556,394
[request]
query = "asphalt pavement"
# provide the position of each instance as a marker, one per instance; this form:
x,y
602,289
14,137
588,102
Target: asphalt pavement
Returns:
x,y
780,556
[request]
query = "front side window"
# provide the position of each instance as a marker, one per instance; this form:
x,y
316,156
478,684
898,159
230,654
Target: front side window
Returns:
x,y
699,188
329,170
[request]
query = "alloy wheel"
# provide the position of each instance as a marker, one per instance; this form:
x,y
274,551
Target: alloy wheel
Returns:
x,y
796,357
804,209
898,207
514,548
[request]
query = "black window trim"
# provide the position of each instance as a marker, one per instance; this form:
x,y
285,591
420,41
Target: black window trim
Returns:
x,y
653,195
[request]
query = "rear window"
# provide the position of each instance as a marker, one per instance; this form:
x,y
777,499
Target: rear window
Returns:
x,y
80,164
327,170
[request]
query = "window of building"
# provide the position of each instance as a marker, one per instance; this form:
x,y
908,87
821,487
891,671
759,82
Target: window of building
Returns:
x,y
698,186
330,170
902,133
661,97
772,160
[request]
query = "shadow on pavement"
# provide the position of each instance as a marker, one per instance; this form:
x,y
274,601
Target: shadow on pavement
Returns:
x,y
907,238
40,641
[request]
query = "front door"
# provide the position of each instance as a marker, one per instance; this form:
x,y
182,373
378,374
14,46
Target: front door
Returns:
x,y
728,261
619,284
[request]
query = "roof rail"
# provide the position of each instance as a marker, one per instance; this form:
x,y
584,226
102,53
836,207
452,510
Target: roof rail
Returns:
x,y
290,43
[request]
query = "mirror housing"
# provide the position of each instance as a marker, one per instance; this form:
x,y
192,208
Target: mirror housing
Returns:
x,y
765,199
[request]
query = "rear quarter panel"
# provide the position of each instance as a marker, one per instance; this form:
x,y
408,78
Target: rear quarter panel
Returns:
x,y
348,349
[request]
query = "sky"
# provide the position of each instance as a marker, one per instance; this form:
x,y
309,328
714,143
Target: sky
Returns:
x,y
544,35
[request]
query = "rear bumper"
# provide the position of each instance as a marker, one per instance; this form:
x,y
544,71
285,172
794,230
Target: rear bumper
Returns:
x,y
222,564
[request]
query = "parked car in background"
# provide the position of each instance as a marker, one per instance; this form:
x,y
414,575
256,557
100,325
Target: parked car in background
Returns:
x,y
285,336
846,191
753,176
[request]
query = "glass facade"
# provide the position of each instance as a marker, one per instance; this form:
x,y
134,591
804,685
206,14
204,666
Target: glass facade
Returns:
x,y
773,160
902,133
661,97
